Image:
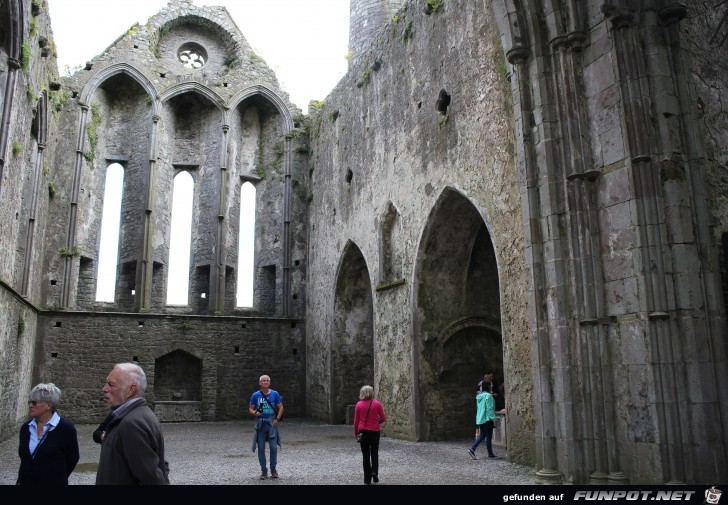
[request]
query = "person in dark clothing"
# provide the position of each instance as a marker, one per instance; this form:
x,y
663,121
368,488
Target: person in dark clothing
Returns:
x,y
48,447
132,452
100,432
496,390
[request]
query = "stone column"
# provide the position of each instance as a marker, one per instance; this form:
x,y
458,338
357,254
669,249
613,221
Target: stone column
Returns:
x,y
217,274
635,95
145,270
42,118
287,195
544,398
73,214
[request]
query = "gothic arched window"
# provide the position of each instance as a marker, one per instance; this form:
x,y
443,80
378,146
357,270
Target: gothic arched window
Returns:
x,y
246,246
110,228
180,240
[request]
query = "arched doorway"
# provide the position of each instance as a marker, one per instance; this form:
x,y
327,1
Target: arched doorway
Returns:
x,y
458,329
352,347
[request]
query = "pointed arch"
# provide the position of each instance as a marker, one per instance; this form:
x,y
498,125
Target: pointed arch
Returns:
x,y
120,68
352,337
263,91
196,87
456,315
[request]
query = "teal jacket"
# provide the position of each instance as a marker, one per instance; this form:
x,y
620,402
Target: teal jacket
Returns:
x,y
486,408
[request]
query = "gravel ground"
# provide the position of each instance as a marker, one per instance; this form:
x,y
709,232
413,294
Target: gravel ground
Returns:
x,y
312,453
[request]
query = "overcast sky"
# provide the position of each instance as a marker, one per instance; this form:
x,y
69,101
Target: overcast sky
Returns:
x,y
304,41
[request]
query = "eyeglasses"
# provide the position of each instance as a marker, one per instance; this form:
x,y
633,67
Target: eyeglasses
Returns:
x,y
33,403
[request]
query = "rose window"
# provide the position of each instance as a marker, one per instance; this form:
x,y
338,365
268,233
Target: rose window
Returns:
x,y
192,55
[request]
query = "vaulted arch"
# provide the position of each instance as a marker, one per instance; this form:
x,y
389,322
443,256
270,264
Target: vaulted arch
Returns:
x,y
352,338
457,316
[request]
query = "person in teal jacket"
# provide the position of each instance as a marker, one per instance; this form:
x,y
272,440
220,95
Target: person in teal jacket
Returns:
x,y
485,419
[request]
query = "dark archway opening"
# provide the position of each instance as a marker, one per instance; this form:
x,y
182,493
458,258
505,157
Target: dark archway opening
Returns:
x,y
458,317
352,349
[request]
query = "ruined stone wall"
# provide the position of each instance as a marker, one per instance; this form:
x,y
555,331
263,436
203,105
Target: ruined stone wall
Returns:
x,y
380,138
132,103
28,94
234,353
188,133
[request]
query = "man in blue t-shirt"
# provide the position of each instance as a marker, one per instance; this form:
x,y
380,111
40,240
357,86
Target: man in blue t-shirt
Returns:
x,y
266,405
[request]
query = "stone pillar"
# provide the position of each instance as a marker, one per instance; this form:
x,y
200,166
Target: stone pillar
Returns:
x,y
42,121
66,288
217,273
654,274
145,270
544,397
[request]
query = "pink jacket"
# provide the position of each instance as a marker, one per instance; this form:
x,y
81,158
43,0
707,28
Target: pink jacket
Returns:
x,y
371,422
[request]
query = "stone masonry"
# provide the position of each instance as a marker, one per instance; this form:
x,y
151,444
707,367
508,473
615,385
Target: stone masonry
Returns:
x,y
538,189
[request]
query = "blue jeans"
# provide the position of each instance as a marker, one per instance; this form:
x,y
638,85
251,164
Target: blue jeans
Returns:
x,y
486,432
263,436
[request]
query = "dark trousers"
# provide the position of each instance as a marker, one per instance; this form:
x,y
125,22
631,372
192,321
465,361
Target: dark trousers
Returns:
x,y
486,432
370,453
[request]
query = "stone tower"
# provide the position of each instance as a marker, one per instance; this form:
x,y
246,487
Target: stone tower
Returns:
x,y
366,18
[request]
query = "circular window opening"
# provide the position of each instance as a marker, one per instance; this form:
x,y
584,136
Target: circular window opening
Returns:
x,y
192,55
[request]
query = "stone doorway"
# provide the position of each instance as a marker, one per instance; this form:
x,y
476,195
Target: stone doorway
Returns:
x,y
458,328
352,346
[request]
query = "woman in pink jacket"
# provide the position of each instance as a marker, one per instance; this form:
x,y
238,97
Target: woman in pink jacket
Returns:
x,y
368,415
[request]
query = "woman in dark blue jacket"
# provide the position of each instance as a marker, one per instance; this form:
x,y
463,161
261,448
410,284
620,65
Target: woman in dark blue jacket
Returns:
x,y
48,447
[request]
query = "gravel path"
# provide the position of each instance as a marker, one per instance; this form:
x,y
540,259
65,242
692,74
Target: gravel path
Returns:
x,y
312,453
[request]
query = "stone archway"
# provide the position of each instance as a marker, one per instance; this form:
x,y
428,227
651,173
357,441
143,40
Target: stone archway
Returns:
x,y
458,317
352,349
178,387
469,349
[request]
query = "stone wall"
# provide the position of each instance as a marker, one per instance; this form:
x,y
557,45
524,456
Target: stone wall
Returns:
x,y
80,349
137,99
28,79
535,189
387,138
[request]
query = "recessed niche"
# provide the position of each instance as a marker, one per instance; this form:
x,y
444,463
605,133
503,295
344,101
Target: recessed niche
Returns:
x,y
58,324
54,355
443,102
349,176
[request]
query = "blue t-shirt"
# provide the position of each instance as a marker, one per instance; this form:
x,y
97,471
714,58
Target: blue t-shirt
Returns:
x,y
258,401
